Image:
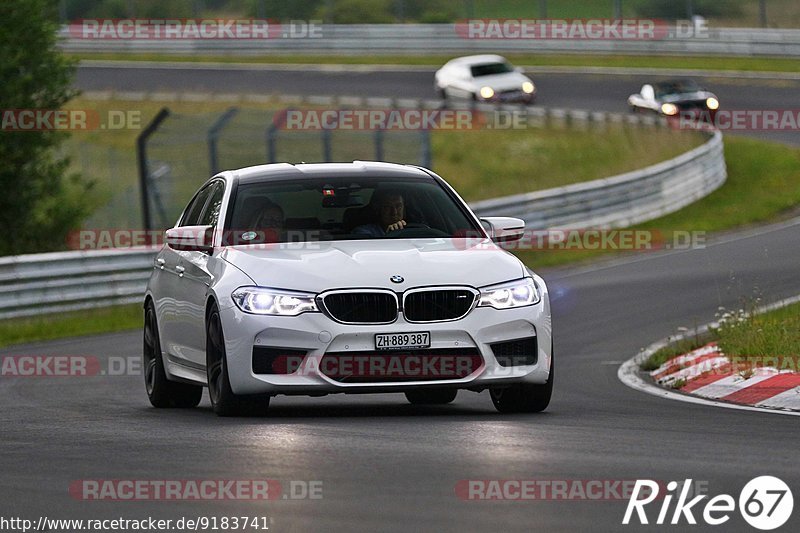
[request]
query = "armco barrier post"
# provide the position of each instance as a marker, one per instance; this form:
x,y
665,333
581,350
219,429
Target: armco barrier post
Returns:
x,y
272,149
213,137
144,171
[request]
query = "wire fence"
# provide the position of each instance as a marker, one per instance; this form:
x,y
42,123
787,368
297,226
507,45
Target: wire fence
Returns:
x,y
186,150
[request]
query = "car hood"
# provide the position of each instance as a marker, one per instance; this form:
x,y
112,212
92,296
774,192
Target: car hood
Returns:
x,y
319,266
502,82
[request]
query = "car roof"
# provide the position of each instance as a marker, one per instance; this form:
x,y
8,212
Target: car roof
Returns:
x,y
360,169
477,60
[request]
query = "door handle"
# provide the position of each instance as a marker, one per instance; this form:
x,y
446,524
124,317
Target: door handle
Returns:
x,y
160,262
180,270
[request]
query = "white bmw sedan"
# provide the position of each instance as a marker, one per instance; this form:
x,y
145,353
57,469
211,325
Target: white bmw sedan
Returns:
x,y
342,278
484,78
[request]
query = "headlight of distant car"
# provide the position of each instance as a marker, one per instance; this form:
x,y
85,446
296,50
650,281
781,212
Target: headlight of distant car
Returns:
x,y
527,87
507,295
712,103
263,301
487,92
669,109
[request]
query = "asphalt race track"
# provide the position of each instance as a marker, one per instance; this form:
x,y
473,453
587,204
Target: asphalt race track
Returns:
x,y
605,92
388,466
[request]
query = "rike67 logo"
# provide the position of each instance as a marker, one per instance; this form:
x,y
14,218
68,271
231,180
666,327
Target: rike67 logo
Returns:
x,y
765,503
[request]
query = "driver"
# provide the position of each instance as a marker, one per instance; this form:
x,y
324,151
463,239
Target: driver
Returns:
x,y
388,212
269,220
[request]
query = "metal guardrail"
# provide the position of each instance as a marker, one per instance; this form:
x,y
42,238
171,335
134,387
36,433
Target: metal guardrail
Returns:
x,y
433,39
56,282
63,281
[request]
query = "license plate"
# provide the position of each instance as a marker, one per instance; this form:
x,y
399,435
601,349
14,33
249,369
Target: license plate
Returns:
x,y
402,341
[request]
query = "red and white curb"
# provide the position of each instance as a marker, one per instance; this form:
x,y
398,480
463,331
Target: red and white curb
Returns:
x,y
708,373
776,391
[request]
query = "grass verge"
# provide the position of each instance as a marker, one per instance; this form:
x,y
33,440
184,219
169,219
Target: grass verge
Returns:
x,y
755,64
70,324
760,338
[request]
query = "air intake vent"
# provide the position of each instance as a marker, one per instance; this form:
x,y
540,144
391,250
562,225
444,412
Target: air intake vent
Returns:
x,y
516,353
268,360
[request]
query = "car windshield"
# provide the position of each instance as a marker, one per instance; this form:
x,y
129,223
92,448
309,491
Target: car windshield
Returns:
x,y
489,69
323,209
668,88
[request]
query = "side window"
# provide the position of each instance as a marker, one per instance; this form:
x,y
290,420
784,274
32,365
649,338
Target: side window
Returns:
x,y
211,213
191,217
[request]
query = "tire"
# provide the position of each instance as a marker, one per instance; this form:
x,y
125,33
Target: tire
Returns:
x,y
431,396
524,397
223,399
162,392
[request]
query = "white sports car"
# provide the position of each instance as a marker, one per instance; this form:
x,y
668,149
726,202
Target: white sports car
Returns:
x,y
342,277
484,78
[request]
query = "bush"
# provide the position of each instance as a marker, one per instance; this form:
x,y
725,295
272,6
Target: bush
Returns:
x,y
676,9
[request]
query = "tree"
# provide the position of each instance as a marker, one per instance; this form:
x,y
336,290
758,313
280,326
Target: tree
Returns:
x,y
39,201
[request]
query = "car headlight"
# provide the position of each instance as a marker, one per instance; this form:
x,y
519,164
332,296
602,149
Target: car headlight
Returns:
x,y
669,109
487,92
527,87
263,301
507,295
712,103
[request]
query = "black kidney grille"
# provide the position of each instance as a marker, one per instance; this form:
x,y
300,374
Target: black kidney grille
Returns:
x,y
435,305
516,353
361,307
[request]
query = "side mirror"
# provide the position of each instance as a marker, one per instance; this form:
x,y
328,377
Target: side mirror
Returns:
x,y
504,229
191,238
519,69
648,93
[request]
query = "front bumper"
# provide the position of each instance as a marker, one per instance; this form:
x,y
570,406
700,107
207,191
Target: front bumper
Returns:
x,y
316,334
512,97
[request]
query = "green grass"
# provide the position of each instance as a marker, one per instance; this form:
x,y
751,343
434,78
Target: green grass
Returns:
x,y
759,64
756,336
763,185
771,338
492,163
70,324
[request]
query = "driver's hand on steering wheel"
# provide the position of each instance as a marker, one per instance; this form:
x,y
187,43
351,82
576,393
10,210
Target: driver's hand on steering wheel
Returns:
x,y
400,224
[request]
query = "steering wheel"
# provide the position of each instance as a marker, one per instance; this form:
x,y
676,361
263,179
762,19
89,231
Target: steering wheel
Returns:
x,y
416,229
